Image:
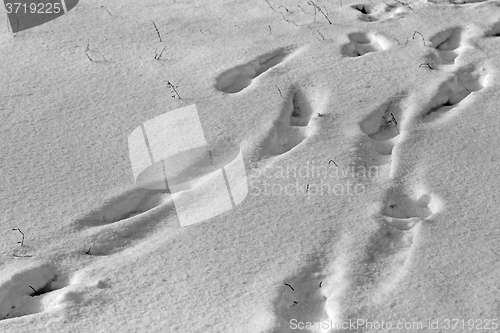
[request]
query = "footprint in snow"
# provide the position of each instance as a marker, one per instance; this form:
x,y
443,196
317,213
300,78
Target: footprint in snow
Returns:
x,y
361,43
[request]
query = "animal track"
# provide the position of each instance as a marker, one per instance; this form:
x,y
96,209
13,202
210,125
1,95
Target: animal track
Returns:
x,y
302,299
402,212
293,127
380,12
122,219
17,298
381,126
455,90
240,77
447,43
363,43
383,266
314,296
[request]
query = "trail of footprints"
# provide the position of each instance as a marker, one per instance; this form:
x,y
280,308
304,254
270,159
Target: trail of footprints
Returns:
x,y
115,226
120,223
123,221
401,211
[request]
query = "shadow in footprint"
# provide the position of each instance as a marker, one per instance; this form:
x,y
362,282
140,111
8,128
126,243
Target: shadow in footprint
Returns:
x,y
446,43
381,11
454,91
240,77
29,291
124,219
129,204
362,43
365,10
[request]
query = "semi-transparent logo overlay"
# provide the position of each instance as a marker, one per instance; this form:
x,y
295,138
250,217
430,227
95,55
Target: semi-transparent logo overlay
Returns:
x,y
170,153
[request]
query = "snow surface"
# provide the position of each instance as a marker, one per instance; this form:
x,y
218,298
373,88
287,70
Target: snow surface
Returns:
x,y
369,132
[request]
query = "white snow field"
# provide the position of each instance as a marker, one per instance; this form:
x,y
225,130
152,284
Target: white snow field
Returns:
x,y
369,133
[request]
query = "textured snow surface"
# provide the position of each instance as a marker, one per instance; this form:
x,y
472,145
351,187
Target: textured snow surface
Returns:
x,y
369,133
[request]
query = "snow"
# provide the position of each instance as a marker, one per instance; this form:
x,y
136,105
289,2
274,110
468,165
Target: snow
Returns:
x,y
370,153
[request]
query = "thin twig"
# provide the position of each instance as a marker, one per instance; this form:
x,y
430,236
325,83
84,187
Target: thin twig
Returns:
x,y
425,64
158,56
25,256
319,9
157,31
107,10
87,50
270,6
416,32
22,241
173,88
395,122
279,91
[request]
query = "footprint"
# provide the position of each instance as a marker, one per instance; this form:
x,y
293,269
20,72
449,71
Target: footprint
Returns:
x,y
380,270
123,219
403,212
314,297
362,43
301,301
33,290
240,77
452,92
381,126
447,43
364,9
293,127
381,11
